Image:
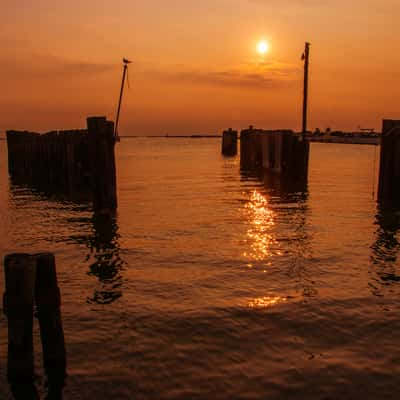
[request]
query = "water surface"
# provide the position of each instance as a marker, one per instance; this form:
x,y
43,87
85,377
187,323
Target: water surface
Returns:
x,y
211,284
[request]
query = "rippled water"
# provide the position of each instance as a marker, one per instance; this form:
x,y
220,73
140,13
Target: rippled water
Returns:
x,y
212,284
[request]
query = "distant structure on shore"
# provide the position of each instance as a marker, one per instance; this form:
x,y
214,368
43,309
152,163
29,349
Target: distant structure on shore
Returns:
x,y
362,136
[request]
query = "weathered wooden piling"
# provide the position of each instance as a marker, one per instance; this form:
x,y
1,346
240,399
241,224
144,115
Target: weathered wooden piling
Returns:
x,y
20,275
31,278
281,152
69,162
229,142
101,142
389,170
48,302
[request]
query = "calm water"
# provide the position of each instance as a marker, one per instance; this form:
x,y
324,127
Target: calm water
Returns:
x,y
212,285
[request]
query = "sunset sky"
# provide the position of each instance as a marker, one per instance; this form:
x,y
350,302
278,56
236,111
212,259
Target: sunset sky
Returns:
x,y
196,68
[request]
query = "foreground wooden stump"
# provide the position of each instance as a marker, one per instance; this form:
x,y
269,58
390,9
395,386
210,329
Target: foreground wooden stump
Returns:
x,y
31,278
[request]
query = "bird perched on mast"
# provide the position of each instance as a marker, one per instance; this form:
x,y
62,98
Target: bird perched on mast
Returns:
x,y
126,62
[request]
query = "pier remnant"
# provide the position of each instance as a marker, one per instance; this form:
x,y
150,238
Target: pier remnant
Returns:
x,y
280,152
48,303
69,161
101,142
229,142
30,278
389,169
20,275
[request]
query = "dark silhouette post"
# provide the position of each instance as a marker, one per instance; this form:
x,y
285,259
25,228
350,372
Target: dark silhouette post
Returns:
x,y
389,169
20,276
229,142
306,58
101,144
126,62
48,302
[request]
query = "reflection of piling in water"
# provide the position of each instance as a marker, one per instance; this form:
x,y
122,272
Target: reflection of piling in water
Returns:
x,y
229,142
30,277
279,152
389,171
67,161
107,263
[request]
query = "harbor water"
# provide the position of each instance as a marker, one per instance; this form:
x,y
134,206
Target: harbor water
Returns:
x,y
212,284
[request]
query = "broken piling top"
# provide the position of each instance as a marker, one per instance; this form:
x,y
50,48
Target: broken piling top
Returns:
x,y
389,169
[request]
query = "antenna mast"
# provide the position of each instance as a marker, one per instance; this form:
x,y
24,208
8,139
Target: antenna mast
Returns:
x,y
125,62
306,58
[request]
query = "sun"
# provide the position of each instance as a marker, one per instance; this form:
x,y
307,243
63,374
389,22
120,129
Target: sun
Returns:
x,y
262,47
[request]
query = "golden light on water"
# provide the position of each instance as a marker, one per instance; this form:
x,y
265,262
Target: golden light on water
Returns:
x,y
259,235
266,301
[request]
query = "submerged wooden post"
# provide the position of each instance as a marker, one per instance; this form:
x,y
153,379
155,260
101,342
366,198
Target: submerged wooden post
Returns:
x,y
101,143
48,302
389,169
229,142
20,274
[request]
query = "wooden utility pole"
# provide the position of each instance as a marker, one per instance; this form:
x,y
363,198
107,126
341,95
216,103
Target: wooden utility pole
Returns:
x,y
306,58
126,62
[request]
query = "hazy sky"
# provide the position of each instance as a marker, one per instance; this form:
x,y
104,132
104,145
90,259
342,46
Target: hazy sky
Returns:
x,y
195,67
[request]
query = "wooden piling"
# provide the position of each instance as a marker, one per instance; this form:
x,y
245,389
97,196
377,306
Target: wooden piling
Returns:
x,y
389,169
20,274
101,143
281,152
48,301
229,142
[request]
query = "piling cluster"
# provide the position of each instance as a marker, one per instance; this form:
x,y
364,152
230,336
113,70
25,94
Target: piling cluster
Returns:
x,y
281,152
68,161
31,282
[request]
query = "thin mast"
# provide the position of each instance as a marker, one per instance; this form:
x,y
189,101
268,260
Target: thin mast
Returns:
x,y
126,62
306,58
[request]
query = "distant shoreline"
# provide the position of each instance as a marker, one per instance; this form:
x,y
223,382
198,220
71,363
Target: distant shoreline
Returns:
x,y
346,140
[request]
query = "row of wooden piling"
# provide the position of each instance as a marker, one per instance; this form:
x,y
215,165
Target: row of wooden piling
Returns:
x,y
281,152
69,161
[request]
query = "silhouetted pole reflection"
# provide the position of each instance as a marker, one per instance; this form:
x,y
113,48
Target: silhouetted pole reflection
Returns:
x,y
107,265
28,278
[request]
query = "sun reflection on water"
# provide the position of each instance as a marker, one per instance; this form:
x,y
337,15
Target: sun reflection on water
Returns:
x,y
259,235
266,301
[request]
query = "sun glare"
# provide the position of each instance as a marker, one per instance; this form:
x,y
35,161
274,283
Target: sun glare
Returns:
x,y
262,47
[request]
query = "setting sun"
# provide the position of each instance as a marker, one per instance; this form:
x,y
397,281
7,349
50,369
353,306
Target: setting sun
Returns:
x,y
262,47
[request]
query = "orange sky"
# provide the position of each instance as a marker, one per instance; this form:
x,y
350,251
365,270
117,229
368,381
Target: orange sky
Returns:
x,y
195,66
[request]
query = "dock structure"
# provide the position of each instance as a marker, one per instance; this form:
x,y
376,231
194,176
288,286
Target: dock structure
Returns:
x,y
229,142
279,152
67,161
389,169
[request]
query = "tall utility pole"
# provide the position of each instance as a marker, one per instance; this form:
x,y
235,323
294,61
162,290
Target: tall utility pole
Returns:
x,y
306,58
126,62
